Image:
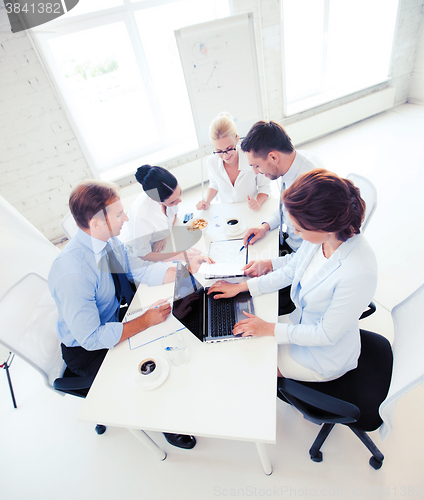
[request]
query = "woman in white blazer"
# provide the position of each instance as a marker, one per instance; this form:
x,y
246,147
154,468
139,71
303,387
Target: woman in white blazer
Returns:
x,y
333,277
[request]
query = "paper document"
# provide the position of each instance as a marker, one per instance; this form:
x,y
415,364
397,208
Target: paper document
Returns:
x,y
228,257
153,332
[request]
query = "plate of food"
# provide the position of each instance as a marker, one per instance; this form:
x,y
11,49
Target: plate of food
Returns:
x,y
200,223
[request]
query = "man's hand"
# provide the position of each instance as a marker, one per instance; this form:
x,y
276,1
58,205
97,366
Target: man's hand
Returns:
x,y
253,326
258,232
253,204
257,268
157,313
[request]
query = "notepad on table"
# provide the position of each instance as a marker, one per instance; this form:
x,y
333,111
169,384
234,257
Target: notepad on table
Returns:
x,y
228,257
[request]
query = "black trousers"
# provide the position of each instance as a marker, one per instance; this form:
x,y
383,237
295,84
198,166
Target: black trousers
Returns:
x,y
82,362
285,304
86,363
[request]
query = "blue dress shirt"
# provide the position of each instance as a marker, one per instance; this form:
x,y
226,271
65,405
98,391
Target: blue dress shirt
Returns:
x,y
85,293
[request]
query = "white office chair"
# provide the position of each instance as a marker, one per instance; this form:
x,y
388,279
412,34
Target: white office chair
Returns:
x,y
408,352
68,225
368,194
28,329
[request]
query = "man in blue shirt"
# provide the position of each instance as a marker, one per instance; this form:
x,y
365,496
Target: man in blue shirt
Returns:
x,y
85,291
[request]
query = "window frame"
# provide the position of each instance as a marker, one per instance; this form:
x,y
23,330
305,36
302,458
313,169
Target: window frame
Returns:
x,y
326,96
123,165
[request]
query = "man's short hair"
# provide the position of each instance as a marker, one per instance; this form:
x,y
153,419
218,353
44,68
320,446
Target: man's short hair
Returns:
x,y
265,137
91,198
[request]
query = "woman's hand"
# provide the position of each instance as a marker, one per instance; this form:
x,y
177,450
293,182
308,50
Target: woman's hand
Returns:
x,y
202,205
253,326
253,204
157,312
195,262
191,252
225,290
257,267
158,246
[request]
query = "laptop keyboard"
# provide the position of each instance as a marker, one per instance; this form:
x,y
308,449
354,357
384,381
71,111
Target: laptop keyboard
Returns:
x,y
222,316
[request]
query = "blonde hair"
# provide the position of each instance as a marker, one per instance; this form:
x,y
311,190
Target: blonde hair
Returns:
x,y
222,126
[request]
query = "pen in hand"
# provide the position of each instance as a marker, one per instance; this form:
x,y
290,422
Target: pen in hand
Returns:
x,y
250,237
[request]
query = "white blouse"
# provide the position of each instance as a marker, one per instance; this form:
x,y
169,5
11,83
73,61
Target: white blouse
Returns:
x,y
247,183
314,267
147,224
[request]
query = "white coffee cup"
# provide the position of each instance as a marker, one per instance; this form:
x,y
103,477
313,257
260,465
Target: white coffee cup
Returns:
x,y
232,225
148,370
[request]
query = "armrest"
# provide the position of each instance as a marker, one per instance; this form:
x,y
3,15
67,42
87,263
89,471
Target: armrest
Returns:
x,y
333,410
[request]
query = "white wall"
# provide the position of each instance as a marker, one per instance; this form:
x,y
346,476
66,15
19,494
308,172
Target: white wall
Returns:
x,y
41,160
416,93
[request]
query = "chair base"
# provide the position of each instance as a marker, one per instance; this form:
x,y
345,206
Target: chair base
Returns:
x,y
376,461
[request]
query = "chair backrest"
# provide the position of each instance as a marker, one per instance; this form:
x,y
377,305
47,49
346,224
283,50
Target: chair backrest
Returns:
x,y
68,225
368,194
408,352
367,385
28,326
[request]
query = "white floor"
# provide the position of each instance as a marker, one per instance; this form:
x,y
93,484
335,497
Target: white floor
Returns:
x,y
48,454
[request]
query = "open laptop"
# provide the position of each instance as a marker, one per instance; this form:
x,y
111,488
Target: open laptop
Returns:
x,y
209,319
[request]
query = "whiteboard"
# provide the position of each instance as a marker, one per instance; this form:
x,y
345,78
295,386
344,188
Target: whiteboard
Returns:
x,y
221,72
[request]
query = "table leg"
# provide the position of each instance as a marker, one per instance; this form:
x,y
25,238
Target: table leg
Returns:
x,y
263,455
149,443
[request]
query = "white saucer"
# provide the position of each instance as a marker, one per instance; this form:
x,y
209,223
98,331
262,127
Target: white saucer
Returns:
x,y
241,230
163,366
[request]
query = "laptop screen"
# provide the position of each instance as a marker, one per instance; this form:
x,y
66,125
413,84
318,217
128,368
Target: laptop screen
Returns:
x,y
188,306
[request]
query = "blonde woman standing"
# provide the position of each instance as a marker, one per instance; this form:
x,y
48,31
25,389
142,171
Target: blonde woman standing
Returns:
x,y
231,177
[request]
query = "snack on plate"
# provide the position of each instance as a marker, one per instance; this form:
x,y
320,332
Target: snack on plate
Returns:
x,y
197,224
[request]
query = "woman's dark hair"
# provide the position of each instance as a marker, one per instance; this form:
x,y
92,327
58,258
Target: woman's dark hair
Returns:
x,y
322,201
265,137
90,198
158,183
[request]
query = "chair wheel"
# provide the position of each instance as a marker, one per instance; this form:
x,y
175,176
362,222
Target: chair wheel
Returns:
x,y
100,429
375,464
317,457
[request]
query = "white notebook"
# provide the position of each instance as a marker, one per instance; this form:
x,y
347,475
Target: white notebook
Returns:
x,y
228,257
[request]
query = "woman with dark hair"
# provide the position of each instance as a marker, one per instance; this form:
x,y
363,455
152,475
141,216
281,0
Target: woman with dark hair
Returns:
x,y
153,214
333,278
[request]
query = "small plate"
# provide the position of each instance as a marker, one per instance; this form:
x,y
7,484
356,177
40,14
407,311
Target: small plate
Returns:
x,y
204,223
241,230
163,366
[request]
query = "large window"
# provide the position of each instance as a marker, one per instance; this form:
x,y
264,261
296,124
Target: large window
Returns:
x,y
116,65
334,47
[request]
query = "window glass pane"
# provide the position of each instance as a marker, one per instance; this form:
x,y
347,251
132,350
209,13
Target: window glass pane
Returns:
x,y
106,94
360,40
303,41
84,6
156,27
335,47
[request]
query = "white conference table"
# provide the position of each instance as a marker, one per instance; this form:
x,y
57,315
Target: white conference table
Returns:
x,y
227,390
